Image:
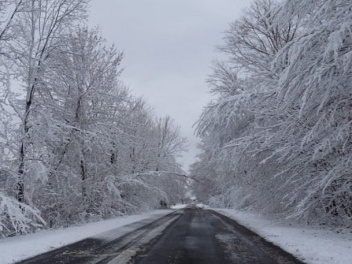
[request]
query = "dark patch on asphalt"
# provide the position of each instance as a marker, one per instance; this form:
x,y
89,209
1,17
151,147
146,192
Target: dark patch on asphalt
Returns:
x,y
79,253
92,250
207,237
276,253
191,239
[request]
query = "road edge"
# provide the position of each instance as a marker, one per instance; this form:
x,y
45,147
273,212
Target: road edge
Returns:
x,y
263,242
143,224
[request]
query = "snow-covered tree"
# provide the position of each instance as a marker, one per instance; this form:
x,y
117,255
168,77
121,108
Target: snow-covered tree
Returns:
x,y
284,124
244,87
252,41
40,27
75,145
315,90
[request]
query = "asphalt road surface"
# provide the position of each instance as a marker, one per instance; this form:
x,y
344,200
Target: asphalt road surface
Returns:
x,y
189,236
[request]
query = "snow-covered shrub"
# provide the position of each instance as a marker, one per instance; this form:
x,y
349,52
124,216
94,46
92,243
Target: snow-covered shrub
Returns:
x,y
17,218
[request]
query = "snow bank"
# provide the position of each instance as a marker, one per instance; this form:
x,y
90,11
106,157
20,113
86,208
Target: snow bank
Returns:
x,y
202,206
178,206
22,247
313,246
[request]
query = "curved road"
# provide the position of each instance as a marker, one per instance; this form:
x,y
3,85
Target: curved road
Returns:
x,y
189,236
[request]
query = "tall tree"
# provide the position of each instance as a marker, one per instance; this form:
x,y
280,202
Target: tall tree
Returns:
x,y
315,89
244,111
40,26
88,149
288,116
253,40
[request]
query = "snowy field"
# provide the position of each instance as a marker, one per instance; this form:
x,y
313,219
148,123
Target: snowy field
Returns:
x,y
22,247
312,246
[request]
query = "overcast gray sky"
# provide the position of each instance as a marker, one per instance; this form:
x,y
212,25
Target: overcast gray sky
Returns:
x,y
169,46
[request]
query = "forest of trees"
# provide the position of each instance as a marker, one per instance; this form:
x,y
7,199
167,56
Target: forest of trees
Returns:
x,y
277,136
75,145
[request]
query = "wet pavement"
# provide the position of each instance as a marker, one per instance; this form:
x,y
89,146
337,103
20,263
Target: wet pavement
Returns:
x,y
206,237
189,236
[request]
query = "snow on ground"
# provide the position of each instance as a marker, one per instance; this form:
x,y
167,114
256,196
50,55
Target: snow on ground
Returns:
x,y
313,246
182,206
202,206
178,206
22,247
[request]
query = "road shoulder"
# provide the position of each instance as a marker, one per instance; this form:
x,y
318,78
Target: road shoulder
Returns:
x,y
18,248
311,245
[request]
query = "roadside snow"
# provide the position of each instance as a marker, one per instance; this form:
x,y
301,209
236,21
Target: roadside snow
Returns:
x,y
202,206
182,206
312,246
178,206
22,247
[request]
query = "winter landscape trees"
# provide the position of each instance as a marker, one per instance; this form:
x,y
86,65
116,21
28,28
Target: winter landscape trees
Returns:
x,y
277,136
75,145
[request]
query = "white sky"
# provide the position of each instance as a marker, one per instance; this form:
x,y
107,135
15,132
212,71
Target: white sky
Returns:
x,y
168,46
